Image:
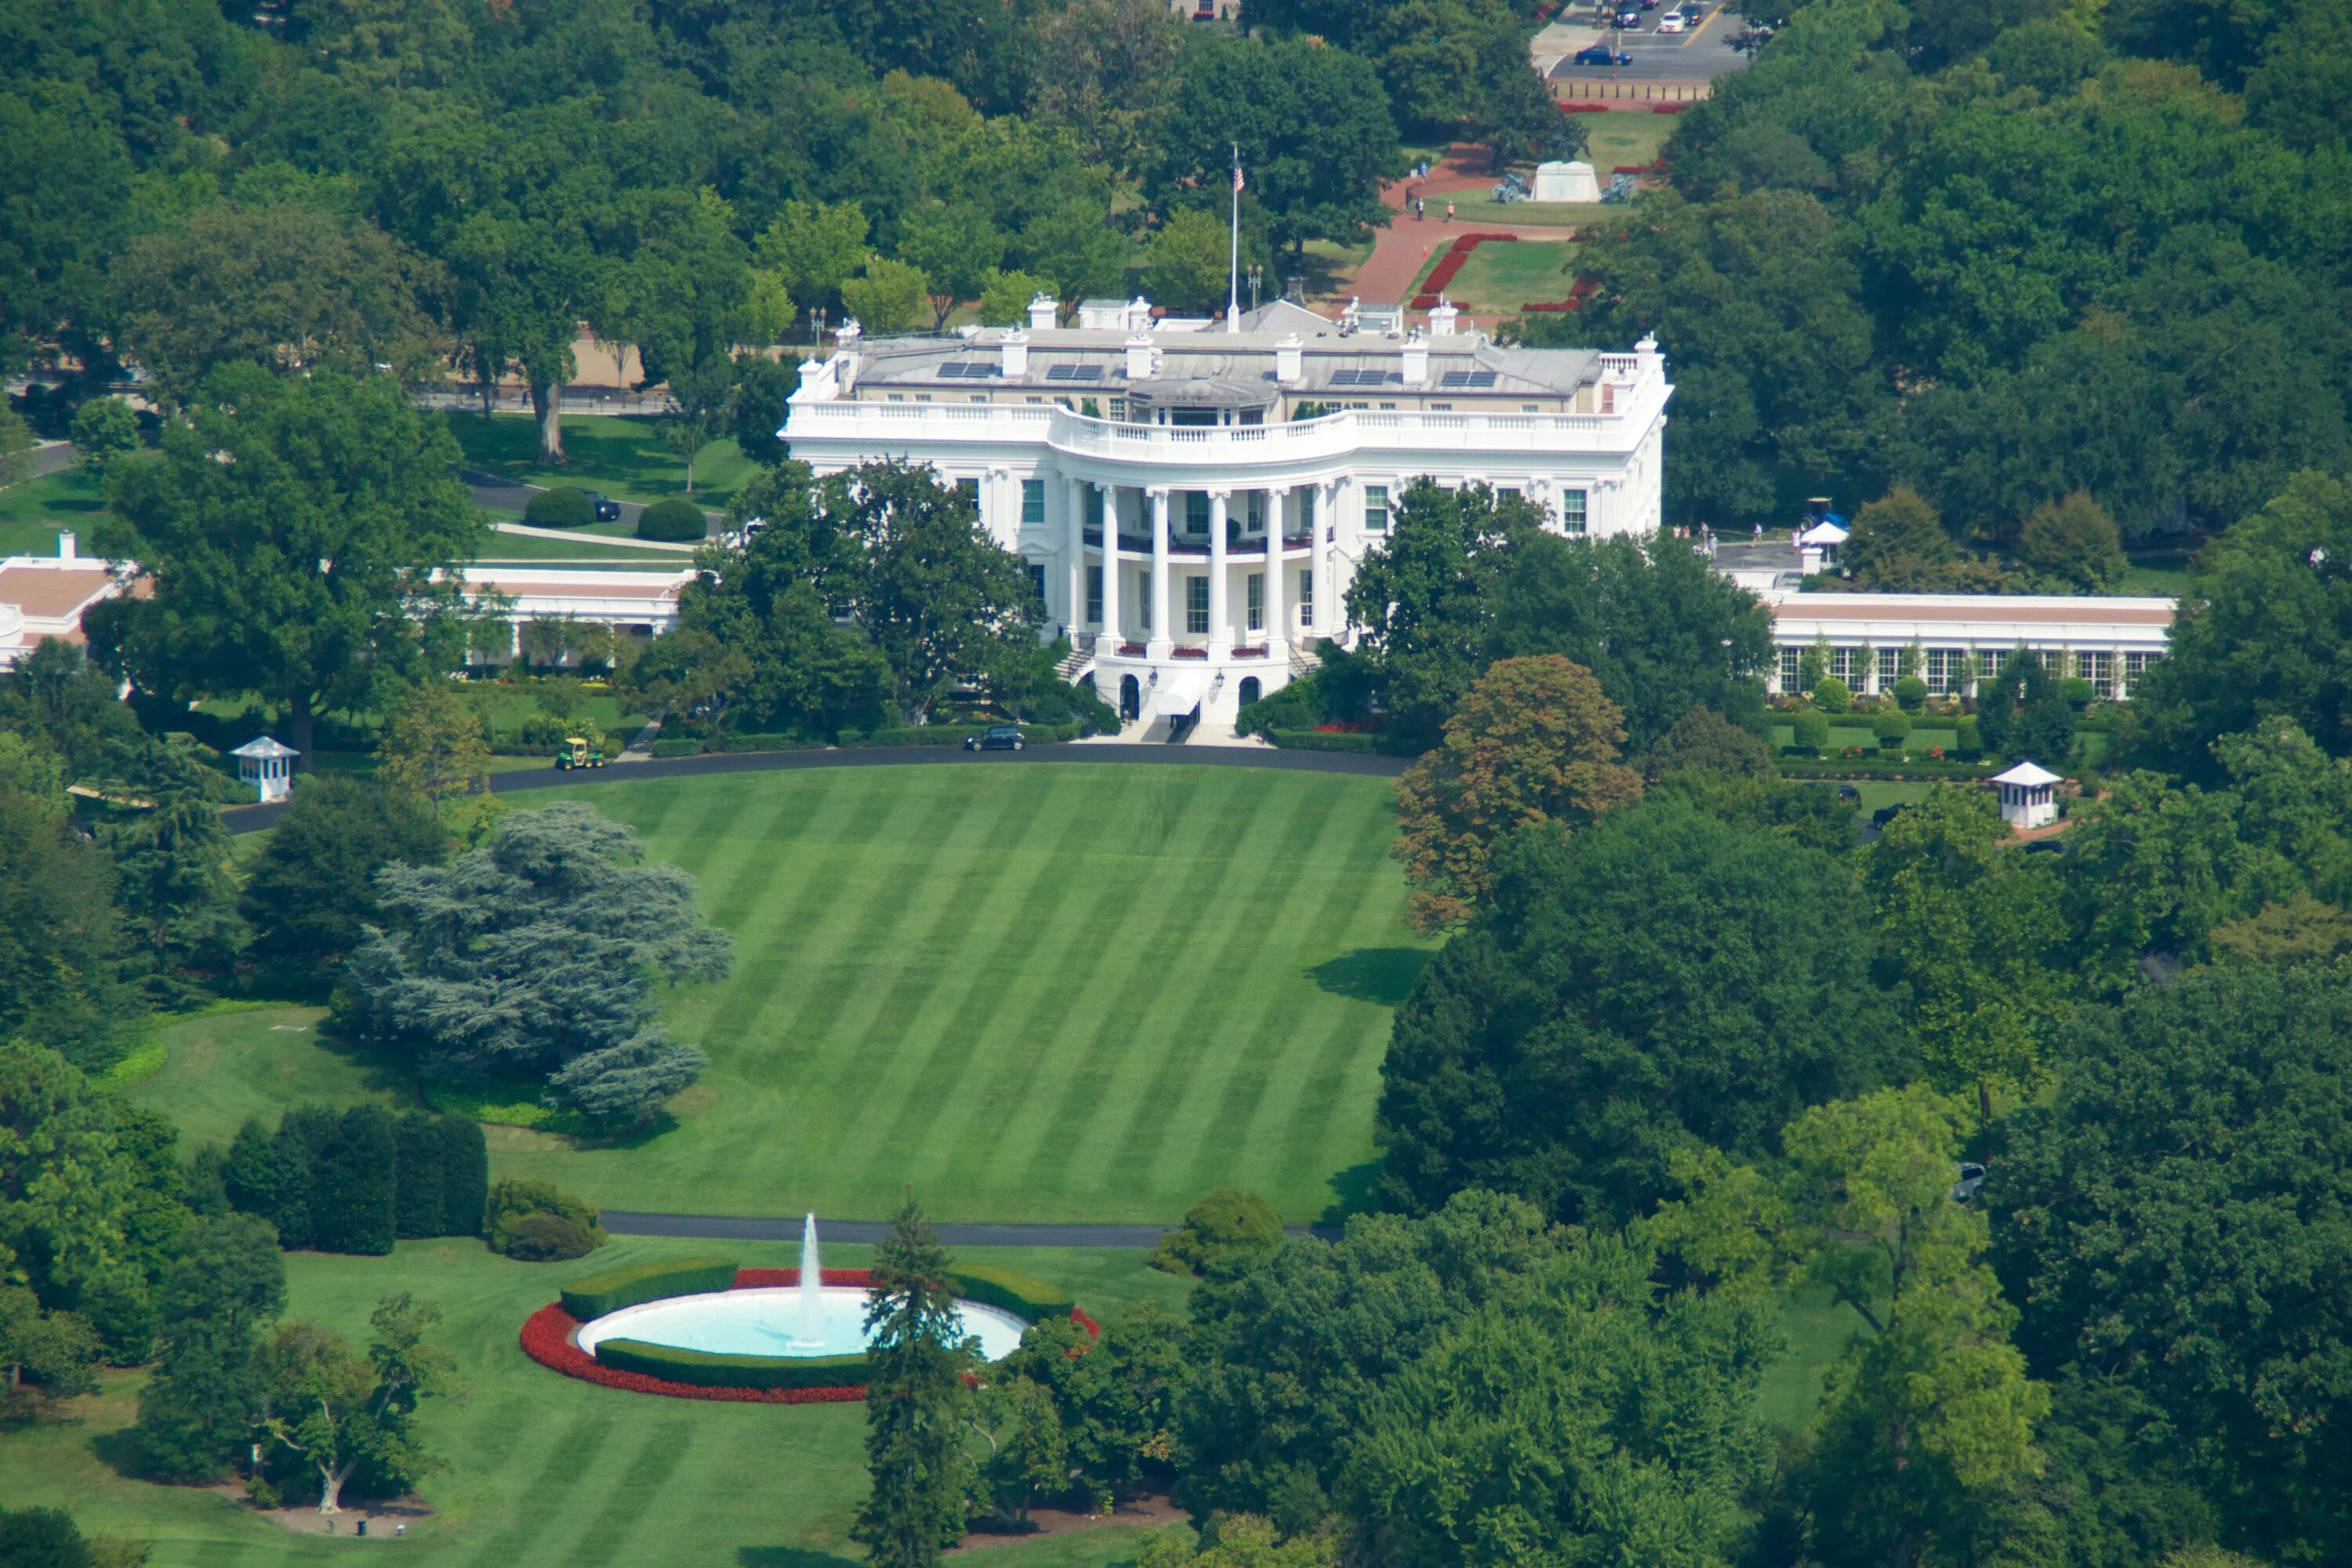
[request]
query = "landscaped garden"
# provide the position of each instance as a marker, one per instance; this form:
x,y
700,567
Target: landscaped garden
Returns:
x,y
624,458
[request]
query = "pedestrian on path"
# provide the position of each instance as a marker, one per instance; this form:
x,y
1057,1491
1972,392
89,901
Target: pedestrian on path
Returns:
x,y
1449,212
1419,209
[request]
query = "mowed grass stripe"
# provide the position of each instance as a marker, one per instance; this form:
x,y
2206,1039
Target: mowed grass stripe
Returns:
x,y
661,1449
1164,970
1226,1015
1299,893
1049,992
958,1067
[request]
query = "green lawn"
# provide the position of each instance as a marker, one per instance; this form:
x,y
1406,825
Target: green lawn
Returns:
x,y
622,457
1057,992
543,1470
1855,734
1817,1329
32,514
538,549
1504,278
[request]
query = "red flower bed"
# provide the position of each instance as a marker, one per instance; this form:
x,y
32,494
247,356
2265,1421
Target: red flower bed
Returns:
x,y
1440,276
1585,107
1668,108
547,1339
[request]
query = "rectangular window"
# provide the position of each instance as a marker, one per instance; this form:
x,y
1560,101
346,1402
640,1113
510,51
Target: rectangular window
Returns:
x,y
1118,408
1094,507
1890,668
1256,512
1196,605
1143,601
1033,502
1094,595
1037,585
1253,589
1571,512
1196,513
2135,665
1844,664
1948,670
979,397
1307,597
1790,660
2099,669
898,398
1376,509
922,397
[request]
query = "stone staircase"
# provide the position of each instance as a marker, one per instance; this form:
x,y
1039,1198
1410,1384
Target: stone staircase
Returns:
x,y
1304,659
1079,661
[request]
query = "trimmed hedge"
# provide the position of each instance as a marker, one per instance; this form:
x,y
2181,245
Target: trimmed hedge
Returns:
x,y
702,1369
769,743
993,1287
615,1288
1833,768
1323,741
562,507
677,748
673,521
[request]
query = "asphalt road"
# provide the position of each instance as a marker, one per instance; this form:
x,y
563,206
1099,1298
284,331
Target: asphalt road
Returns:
x,y
1701,55
500,493
865,1232
253,819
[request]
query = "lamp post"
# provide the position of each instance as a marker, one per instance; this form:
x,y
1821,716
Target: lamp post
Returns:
x,y
816,327
1254,274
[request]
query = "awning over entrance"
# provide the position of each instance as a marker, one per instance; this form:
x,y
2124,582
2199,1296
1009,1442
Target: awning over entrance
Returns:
x,y
1179,692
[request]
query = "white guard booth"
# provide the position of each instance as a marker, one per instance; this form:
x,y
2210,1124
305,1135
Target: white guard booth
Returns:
x,y
1818,546
2026,798
268,765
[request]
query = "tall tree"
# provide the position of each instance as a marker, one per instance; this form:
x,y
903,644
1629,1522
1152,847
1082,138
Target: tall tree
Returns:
x,y
291,534
314,886
2022,714
1533,742
537,954
225,1282
61,941
916,1401
435,746
342,1413
1424,598
173,883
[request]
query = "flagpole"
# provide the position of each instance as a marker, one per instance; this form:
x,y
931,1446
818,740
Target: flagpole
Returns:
x,y
1233,289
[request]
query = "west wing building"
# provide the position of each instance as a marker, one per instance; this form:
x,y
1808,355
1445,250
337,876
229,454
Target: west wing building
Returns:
x,y
1192,501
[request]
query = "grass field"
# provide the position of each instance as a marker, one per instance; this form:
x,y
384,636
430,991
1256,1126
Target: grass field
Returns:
x,y
1504,278
543,1470
622,457
32,514
1036,992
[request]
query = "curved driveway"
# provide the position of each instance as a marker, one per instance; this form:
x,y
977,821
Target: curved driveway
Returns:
x,y
253,819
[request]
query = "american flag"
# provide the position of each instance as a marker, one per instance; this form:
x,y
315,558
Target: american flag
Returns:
x,y
1238,182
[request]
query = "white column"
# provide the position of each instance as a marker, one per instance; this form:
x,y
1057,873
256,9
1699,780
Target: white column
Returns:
x,y
1221,631
1110,631
1074,501
1278,630
1319,562
1163,631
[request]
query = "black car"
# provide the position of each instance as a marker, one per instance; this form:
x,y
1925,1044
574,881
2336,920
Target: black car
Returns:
x,y
606,511
1603,55
1629,19
1972,1176
996,738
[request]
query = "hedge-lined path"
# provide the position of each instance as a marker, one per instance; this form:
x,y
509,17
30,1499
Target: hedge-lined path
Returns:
x,y
253,819
866,1232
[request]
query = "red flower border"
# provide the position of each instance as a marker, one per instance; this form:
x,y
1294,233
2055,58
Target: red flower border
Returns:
x,y
547,1339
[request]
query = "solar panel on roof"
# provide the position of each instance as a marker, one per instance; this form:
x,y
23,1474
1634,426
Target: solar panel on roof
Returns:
x,y
1466,378
1074,373
1362,378
969,368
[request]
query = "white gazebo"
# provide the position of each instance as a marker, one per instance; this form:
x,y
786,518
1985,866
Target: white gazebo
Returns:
x,y
268,765
2026,798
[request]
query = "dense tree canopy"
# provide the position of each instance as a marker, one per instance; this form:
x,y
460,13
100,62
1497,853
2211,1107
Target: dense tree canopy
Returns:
x,y
1662,978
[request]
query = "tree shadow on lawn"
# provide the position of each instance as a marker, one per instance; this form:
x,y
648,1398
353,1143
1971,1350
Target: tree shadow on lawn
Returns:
x,y
788,1557
1358,1188
1381,974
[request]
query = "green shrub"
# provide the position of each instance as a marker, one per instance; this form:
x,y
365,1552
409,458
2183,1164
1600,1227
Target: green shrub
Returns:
x,y
1323,741
512,1202
705,1370
770,744
1834,695
673,521
1812,731
544,1237
618,1287
1227,1227
1967,737
1910,693
2077,692
562,507
683,746
993,1287
1891,728
1853,768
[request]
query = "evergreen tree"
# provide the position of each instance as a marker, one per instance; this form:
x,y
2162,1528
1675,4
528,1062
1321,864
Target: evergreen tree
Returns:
x,y
353,1202
917,1403
225,1283
2022,715
464,1176
314,886
304,1135
420,1176
178,900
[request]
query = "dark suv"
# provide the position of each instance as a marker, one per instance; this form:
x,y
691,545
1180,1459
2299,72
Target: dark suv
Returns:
x,y
1603,55
997,738
606,511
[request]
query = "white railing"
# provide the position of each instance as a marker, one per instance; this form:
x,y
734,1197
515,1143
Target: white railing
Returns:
x,y
1331,435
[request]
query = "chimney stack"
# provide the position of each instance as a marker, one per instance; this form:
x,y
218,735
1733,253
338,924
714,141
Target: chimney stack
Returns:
x,y
1441,319
66,545
1139,357
1016,353
1416,360
1290,360
1042,310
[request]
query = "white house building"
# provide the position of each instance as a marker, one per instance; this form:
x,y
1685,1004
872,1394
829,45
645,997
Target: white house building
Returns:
x,y
44,596
1192,500
1956,639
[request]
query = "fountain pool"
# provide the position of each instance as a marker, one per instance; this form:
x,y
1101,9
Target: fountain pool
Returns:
x,y
778,1320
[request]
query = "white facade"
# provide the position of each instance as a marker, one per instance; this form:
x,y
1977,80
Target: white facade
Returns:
x,y
1192,503
2028,798
1956,639
43,596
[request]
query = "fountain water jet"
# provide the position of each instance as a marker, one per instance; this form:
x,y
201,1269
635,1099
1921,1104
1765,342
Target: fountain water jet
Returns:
x,y
811,1288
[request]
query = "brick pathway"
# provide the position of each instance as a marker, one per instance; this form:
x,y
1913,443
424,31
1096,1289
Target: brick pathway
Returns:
x,y
1406,245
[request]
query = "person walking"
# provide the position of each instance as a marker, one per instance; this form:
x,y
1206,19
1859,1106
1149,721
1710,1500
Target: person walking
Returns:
x,y
1419,209
1449,212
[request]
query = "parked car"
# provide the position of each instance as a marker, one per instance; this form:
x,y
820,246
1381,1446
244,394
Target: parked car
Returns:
x,y
1603,55
1629,19
1673,22
996,738
606,511
1971,1177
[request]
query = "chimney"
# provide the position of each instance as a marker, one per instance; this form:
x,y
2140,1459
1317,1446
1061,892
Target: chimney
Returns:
x,y
1042,310
1016,353
845,351
1416,360
1290,360
1139,357
1139,315
1441,319
65,544
1653,362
